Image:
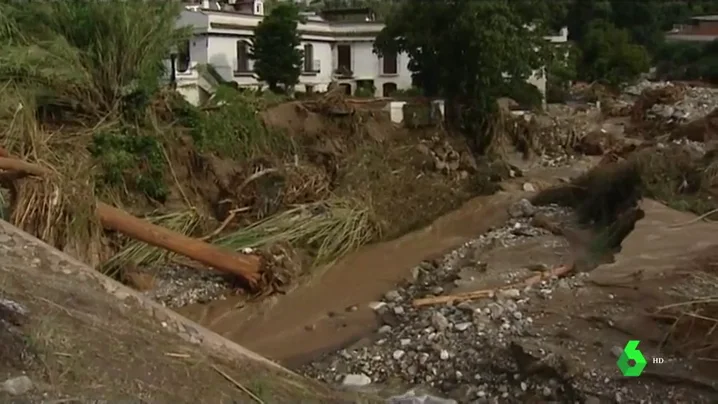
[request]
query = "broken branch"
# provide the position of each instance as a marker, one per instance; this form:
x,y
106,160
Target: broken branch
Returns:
x,y
479,294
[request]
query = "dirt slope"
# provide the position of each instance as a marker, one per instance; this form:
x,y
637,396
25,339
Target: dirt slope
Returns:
x,y
77,341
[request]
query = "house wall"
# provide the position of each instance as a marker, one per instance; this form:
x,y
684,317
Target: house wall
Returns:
x,y
218,32
319,81
368,66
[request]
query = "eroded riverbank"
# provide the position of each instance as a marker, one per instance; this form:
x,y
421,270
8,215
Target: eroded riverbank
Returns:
x,y
332,311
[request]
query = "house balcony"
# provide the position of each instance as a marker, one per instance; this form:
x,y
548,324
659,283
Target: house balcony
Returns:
x,y
343,73
184,73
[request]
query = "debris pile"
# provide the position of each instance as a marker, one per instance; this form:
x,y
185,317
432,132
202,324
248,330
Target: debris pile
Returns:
x,y
555,134
668,101
446,159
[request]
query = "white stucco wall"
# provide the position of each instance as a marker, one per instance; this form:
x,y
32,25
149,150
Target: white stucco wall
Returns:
x,y
366,65
216,45
319,80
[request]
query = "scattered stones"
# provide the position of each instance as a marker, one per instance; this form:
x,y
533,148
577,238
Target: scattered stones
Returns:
x,y
177,286
472,351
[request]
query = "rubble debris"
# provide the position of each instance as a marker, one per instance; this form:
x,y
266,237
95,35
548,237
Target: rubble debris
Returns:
x,y
669,101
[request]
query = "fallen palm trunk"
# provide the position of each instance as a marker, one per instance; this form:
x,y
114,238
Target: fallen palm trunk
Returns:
x,y
480,294
245,267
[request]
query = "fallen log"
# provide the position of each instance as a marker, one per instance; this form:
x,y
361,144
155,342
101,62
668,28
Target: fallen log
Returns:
x,y
244,266
480,294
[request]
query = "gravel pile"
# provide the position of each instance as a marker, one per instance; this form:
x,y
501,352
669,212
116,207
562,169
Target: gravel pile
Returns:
x,y
178,286
462,351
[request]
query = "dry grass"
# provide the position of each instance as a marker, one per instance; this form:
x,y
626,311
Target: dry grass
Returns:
x,y
693,320
58,208
678,177
330,228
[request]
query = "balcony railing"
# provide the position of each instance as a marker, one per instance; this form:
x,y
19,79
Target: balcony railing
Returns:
x,y
343,72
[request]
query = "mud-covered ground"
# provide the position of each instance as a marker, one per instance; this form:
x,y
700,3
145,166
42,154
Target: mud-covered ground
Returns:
x,y
557,340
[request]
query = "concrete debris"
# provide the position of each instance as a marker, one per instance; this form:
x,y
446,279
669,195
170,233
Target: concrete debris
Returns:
x,y
694,103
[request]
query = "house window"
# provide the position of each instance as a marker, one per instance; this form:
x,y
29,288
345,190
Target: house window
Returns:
x,y
344,58
242,57
183,60
308,58
387,89
390,64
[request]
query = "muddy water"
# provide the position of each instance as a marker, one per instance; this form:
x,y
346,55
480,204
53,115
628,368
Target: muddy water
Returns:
x,y
332,311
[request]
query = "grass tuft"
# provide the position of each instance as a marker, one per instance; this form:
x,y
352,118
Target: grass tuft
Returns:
x,y
332,228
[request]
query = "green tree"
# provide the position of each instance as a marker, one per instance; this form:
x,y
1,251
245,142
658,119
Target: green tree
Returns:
x,y
609,55
561,70
466,51
278,59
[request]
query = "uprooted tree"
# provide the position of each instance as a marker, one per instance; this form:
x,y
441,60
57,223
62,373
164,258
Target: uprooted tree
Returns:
x,y
469,52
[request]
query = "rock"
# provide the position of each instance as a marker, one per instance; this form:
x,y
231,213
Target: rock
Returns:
x,y
592,400
376,306
439,321
398,354
522,208
437,290
529,187
356,380
496,311
462,326
444,354
17,385
392,296
385,329
509,294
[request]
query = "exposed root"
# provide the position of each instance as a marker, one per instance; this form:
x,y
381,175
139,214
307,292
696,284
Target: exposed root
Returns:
x,y
693,321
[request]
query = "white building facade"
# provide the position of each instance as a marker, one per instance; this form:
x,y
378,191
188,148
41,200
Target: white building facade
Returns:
x,y
340,51
337,47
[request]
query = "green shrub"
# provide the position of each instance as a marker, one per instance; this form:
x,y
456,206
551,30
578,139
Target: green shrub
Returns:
x,y
230,126
130,160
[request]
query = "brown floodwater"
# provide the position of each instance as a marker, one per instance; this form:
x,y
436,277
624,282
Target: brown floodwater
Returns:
x,y
332,310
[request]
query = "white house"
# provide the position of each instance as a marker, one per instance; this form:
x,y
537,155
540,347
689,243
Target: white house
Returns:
x,y
338,46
